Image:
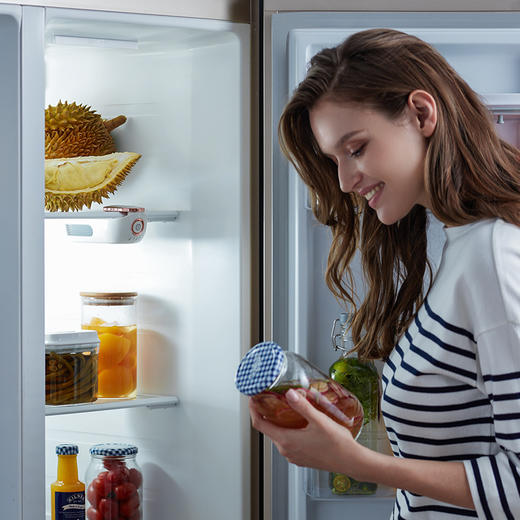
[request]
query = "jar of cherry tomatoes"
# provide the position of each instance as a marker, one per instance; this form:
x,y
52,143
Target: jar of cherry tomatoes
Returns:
x,y
267,372
114,483
113,316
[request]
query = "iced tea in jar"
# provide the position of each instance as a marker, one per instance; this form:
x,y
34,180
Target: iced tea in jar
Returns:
x,y
113,316
267,372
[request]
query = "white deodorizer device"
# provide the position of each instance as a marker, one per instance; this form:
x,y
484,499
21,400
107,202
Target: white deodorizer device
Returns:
x,y
114,225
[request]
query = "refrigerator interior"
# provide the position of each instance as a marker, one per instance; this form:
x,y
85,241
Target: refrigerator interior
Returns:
x,y
483,48
183,85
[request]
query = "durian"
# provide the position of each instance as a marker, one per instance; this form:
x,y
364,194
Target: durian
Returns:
x,y
72,183
73,130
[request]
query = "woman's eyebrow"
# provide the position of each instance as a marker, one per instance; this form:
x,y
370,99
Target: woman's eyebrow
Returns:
x,y
345,137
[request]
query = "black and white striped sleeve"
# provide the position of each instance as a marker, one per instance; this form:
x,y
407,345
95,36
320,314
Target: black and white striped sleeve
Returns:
x,y
495,479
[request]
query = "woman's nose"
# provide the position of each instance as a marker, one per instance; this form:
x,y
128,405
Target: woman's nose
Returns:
x,y
348,176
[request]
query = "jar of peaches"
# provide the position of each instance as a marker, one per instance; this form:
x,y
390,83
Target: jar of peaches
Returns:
x,y
113,316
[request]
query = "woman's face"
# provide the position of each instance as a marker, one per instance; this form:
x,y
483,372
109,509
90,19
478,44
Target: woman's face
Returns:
x,y
379,158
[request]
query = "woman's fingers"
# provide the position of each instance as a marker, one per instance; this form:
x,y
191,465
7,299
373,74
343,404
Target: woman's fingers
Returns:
x,y
299,403
296,401
317,445
259,423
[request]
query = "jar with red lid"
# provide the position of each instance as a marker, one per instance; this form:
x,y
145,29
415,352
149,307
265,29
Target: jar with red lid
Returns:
x,y
113,316
114,483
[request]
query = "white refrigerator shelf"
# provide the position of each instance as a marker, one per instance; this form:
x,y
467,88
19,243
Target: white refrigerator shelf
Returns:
x,y
151,216
148,400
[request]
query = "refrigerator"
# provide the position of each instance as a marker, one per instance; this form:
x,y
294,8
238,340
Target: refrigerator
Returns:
x,y
231,253
183,83
484,48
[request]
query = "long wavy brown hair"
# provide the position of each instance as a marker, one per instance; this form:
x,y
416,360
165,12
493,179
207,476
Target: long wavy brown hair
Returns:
x,y
469,174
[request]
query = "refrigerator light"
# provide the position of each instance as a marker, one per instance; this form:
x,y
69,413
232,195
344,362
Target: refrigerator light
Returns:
x,y
86,41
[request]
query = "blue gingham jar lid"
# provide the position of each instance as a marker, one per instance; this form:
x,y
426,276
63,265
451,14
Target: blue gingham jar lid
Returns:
x,y
67,449
113,449
259,368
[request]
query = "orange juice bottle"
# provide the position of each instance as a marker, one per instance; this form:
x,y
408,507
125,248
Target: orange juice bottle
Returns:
x,y
67,493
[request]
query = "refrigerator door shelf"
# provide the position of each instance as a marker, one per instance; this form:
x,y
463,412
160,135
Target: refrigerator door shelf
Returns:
x,y
318,484
502,102
142,400
317,487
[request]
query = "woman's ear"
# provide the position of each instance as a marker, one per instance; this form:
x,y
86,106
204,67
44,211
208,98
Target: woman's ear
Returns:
x,y
424,110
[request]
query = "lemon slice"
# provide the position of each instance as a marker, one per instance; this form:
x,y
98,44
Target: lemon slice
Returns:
x,y
319,386
340,483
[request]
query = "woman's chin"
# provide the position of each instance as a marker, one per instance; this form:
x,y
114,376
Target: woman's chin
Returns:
x,y
386,218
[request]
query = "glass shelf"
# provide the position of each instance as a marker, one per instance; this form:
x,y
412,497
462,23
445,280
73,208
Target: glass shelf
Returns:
x,y
151,216
142,400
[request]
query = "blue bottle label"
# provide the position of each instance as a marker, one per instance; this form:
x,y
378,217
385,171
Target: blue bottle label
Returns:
x,y
70,506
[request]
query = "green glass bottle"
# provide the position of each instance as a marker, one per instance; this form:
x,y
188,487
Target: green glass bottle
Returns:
x,y
361,379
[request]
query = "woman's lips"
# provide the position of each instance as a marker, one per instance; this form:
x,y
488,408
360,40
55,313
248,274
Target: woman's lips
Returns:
x,y
370,195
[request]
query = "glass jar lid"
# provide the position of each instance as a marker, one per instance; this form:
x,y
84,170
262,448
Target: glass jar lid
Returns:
x,y
108,298
108,295
67,449
80,341
113,449
259,368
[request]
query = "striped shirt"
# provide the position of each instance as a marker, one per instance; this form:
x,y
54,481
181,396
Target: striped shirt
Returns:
x,y
451,386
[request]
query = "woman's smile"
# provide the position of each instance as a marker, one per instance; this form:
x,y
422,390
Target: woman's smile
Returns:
x,y
370,193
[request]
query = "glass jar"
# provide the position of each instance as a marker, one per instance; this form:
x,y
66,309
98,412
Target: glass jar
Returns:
x,y
362,379
113,316
267,372
114,483
71,367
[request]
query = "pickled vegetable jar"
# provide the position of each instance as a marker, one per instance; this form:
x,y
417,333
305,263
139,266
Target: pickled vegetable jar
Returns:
x,y
267,372
114,483
71,365
113,317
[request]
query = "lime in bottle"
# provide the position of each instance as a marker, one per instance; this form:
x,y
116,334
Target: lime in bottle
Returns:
x,y
361,379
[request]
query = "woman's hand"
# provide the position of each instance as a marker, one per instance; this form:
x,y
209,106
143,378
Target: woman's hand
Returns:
x,y
322,444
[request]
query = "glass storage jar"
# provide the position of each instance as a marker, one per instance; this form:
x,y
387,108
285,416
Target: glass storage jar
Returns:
x,y
362,379
113,316
114,483
71,365
267,372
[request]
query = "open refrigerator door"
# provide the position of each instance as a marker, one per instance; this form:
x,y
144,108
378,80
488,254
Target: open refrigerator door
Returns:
x,y
483,48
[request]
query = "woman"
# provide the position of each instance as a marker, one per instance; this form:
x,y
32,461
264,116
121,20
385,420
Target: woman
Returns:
x,y
382,129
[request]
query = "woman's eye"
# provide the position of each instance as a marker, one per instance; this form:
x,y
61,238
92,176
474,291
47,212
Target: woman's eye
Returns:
x,y
358,151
